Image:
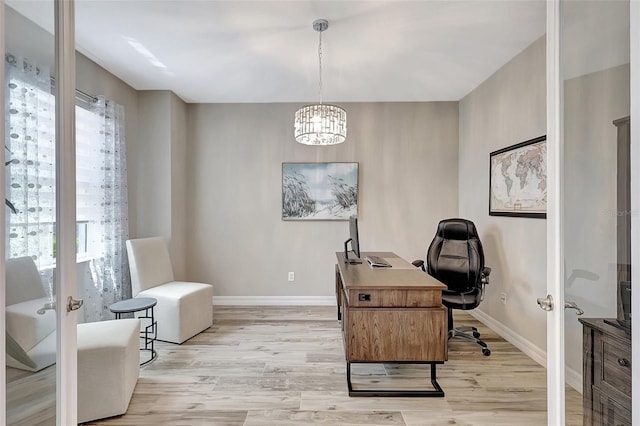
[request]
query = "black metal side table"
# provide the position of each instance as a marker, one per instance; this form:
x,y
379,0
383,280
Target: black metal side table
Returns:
x,y
150,332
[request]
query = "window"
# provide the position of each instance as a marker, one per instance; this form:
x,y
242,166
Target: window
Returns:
x,y
102,225
31,176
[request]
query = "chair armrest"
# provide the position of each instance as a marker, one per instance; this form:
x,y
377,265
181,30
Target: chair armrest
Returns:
x,y
484,276
418,264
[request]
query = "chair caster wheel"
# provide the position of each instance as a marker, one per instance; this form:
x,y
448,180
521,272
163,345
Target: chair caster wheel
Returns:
x,y
476,334
486,352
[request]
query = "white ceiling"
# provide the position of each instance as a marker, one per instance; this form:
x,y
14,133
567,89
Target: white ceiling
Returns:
x,y
266,51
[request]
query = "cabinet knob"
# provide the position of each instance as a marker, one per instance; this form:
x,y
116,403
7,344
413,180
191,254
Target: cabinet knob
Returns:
x,y
623,362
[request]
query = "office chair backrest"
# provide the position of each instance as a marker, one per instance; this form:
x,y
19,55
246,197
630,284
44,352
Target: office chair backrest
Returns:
x,y
455,255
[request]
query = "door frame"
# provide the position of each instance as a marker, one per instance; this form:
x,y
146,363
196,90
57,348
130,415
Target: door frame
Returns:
x,y
555,245
556,408
66,270
634,75
3,349
66,322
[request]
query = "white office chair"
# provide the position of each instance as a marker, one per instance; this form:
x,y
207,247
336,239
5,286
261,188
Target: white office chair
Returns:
x,y
184,309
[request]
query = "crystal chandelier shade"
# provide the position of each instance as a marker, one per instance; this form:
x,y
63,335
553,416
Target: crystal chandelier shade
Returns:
x,y
320,124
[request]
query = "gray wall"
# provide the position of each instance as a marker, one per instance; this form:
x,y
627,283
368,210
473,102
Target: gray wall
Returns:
x,y
151,165
508,108
592,102
158,173
178,187
408,180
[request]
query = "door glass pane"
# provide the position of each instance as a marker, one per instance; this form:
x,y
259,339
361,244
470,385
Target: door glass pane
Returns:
x,y
30,223
594,62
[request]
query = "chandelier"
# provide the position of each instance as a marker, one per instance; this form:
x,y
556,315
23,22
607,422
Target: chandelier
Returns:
x,y
320,124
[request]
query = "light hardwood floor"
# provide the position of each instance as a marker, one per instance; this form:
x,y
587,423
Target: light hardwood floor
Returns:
x,y
285,366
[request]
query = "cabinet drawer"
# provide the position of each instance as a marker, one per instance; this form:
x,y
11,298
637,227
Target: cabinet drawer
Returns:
x,y
616,366
395,298
610,411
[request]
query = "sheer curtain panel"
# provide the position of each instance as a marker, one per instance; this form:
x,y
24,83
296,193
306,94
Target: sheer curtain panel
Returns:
x,y
102,209
30,169
102,202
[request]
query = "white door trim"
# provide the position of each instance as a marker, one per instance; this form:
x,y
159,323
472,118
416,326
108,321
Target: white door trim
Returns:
x,y
67,354
3,349
555,245
634,54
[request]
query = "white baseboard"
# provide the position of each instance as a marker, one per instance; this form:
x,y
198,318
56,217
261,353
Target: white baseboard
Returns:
x,y
275,300
530,349
572,377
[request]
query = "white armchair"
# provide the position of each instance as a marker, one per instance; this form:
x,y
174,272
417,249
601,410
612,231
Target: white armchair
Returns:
x,y
184,309
108,351
32,335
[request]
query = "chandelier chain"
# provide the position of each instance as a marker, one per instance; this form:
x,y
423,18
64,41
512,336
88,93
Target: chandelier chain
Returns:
x,y
320,66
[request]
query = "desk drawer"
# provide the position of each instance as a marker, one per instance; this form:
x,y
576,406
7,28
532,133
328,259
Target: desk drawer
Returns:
x,y
615,370
387,334
395,298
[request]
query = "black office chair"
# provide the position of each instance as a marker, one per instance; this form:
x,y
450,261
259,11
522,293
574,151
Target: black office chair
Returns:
x,y
455,257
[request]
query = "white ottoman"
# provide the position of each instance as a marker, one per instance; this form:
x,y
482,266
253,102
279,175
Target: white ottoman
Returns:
x,y
108,367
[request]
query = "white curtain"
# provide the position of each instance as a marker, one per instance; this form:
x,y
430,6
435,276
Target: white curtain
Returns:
x,y
102,202
30,172
102,218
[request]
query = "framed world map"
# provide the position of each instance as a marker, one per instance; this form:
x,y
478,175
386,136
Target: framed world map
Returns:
x,y
518,179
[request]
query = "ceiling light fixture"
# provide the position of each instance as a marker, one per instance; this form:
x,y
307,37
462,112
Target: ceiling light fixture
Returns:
x,y
320,124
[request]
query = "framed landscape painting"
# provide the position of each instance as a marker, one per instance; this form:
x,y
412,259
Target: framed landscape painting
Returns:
x,y
319,191
518,180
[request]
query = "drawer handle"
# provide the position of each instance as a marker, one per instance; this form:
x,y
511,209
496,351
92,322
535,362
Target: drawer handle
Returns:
x,y
623,362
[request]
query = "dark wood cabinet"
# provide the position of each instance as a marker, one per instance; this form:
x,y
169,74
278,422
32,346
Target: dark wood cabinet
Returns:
x,y
623,235
607,373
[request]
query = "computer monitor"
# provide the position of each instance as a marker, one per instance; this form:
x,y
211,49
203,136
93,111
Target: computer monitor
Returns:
x,y
355,243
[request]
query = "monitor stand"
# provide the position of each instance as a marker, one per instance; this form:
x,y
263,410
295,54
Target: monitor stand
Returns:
x,y
355,261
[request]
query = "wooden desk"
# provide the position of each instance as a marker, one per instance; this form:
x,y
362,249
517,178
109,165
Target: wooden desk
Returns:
x,y
391,315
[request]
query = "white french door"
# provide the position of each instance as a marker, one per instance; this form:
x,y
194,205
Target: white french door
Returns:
x,y
46,45
592,52
634,11
67,377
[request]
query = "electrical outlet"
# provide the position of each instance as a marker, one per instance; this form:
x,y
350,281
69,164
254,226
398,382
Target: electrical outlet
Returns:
x,y
292,276
503,298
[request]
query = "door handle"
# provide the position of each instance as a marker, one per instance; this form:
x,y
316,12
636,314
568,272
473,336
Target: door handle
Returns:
x,y
572,305
546,303
73,304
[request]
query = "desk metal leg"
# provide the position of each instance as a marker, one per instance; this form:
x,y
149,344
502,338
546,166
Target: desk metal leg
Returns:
x,y
435,392
149,335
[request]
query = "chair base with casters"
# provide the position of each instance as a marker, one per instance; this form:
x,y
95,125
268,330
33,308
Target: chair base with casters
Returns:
x,y
466,333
